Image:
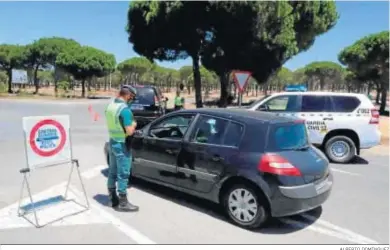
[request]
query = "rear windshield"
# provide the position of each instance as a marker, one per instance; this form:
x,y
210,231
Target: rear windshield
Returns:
x,y
145,96
283,137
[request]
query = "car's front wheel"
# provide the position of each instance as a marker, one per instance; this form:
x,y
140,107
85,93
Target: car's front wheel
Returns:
x,y
245,207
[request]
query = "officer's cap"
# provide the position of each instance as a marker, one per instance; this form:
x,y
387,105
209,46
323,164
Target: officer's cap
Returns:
x,y
128,89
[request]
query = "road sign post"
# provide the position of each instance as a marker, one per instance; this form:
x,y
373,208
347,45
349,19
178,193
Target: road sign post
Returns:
x,y
47,144
241,79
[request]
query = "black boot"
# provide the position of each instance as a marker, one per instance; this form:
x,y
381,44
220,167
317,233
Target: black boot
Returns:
x,y
125,205
113,199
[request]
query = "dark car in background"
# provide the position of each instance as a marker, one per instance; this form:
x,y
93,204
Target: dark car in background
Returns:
x,y
256,165
148,105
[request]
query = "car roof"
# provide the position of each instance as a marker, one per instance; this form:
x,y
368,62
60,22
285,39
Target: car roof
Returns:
x,y
241,114
318,93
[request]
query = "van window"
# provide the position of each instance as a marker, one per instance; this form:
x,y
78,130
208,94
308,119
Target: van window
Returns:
x,y
316,103
283,137
345,103
145,96
233,134
287,103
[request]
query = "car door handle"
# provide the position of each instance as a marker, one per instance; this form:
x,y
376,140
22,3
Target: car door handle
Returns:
x,y
217,158
328,119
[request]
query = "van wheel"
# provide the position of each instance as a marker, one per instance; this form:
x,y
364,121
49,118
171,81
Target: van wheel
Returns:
x,y
340,149
244,207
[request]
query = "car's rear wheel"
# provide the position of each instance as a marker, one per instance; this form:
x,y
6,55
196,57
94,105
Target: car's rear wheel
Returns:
x,y
245,207
340,149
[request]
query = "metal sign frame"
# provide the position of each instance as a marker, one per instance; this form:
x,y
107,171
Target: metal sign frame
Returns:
x,y
28,170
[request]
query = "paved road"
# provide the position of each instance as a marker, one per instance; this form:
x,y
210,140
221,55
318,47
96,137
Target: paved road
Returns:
x,y
357,211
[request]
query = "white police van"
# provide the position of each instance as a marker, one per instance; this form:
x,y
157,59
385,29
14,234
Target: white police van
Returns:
x,y
339,123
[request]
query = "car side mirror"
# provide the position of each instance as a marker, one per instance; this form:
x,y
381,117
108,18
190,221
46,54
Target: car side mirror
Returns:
x,y
263,107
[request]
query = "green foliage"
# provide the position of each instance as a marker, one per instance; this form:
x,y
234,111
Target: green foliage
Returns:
x,y
139,65
63,85
368,59
85,62
3,77
367,53
270,33
185,72
323,69
299,76
11,56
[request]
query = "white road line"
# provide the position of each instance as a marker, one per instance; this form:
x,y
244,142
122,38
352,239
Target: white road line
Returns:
x,y
119,224
93,172
358,237
330,232
344,172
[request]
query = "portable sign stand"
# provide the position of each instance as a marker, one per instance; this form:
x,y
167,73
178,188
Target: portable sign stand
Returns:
x,y
241,79
47,144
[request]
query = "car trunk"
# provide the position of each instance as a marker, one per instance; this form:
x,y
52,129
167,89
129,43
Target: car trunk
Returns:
x,y
290,141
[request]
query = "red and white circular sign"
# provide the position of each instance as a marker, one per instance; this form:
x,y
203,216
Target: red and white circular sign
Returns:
x,y
47,138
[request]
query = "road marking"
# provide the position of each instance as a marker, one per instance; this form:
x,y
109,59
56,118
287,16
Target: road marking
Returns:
x,y
344,172
330,232
93,172
352,235
63,213
131,232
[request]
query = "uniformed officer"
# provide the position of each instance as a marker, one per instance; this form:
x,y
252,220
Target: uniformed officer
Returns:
x,y
179,101
120,125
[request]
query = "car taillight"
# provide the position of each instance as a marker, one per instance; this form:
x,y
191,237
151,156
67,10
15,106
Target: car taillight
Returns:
x,y
276,164
156,100
374,116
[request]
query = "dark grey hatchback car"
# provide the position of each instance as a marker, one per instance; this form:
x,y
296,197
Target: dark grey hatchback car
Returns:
x,y
255,164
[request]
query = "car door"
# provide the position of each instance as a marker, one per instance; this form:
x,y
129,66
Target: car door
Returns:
x,y
282,105
205,156
157,152
316,110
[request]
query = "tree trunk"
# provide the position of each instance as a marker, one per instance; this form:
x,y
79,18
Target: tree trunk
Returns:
x,y
197,82
265,89
36,83
322,83
89,84
55,81
83,88
382,108
9,73
224,94
378,93
383,101
188,87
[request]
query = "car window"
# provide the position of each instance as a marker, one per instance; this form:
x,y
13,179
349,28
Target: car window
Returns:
x,y
233,134
210,130
288,103
283,137
345,103
316,103
173,127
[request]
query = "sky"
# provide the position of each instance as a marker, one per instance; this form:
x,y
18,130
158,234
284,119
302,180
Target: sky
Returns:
x,y
102,25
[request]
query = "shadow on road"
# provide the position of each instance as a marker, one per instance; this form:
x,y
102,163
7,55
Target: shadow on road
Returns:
x,y
274,226
356,161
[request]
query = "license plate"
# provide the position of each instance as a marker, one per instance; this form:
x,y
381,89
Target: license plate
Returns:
x,y
137,107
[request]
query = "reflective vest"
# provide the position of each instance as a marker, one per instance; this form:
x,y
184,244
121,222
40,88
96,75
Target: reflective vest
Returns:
x,y
178,101
115,130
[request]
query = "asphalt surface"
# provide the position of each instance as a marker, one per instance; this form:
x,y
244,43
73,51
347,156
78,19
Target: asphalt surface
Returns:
x,y
357,211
